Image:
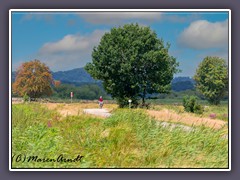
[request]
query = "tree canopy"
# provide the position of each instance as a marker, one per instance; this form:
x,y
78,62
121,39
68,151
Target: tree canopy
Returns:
x,y
131,61
33,79
212,79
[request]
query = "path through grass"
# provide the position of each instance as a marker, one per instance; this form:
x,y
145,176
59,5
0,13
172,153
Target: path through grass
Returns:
x,y
127,139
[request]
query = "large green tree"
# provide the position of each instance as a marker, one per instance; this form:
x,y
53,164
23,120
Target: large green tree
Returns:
x,y
132,62
33,79
212,79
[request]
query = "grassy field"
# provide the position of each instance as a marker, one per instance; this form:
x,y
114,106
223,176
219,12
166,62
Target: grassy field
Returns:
x,y
127,139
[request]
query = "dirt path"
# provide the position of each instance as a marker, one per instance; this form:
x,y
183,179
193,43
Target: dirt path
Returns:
x,y
185,118
97,112
76,109
165,117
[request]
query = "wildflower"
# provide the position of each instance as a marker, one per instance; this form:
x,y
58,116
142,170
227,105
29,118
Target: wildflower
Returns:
x,y
49,124
212,116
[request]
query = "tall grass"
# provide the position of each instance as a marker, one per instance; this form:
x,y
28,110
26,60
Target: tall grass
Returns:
x,y
127,139
221,111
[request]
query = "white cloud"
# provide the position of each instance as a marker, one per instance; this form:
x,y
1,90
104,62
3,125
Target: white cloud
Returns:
x,y
37,16
119,17
72,51
73,42
203,34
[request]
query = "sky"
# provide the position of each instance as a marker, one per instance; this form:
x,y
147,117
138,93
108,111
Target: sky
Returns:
x,y
64,40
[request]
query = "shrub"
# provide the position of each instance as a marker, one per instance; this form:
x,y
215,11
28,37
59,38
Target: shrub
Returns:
x,y
26,98
198,109
190,105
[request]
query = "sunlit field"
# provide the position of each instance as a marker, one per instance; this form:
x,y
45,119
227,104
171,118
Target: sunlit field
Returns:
x,y
131,138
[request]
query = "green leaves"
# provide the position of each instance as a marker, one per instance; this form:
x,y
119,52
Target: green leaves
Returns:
x,y
131,61
190,105
212,79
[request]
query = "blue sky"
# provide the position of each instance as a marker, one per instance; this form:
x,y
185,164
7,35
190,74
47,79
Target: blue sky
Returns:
x,y
64,40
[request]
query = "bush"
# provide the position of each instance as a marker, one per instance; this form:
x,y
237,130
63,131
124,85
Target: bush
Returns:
x,y
26,98
190,105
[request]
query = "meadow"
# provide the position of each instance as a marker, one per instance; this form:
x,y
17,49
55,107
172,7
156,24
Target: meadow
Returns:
x,y
129,138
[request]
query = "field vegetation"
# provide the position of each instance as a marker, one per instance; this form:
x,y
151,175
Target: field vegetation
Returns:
x,y
150,119
129,138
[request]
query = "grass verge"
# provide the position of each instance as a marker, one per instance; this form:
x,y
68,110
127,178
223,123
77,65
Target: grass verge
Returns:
x,y
127,139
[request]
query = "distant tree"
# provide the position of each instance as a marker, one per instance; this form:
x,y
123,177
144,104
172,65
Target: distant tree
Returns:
x,y
57,83
33,79
87,91
132,62
63,91
212,79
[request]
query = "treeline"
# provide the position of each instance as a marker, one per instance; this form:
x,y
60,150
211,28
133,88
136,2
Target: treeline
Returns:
x,y
92,91
181,95
85,91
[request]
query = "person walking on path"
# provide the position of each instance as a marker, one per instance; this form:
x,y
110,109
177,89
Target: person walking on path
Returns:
x,y
100,102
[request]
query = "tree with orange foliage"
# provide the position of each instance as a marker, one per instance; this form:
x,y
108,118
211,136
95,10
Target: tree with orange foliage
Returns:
x,y
57,83
33,79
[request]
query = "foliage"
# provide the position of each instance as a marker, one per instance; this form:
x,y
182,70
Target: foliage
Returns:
x,y
212,79
33,79
57,83
26,98
87,91
132,62
179,95
190,105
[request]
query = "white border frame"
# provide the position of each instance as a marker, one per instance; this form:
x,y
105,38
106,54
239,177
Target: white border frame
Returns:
x,y
118,10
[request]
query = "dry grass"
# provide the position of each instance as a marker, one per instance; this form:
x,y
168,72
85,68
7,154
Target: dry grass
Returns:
x,y
76,109
185,118
126,139
161,114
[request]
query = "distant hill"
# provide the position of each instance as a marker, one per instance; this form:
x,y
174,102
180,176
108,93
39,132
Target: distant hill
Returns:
x,y
74,76
182,83
181,79
79,76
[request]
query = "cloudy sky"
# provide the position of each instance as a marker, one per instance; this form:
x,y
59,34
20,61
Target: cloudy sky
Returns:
x,y
64,40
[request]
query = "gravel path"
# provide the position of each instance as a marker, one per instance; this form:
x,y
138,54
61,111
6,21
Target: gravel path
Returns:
x,y
172,126
97,112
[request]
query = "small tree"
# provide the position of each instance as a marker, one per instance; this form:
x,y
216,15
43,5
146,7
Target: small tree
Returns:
x,y
212,79
132,62
33,79
56,83
190,105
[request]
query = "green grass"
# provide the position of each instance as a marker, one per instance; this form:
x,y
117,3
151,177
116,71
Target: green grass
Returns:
x,y
127,139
